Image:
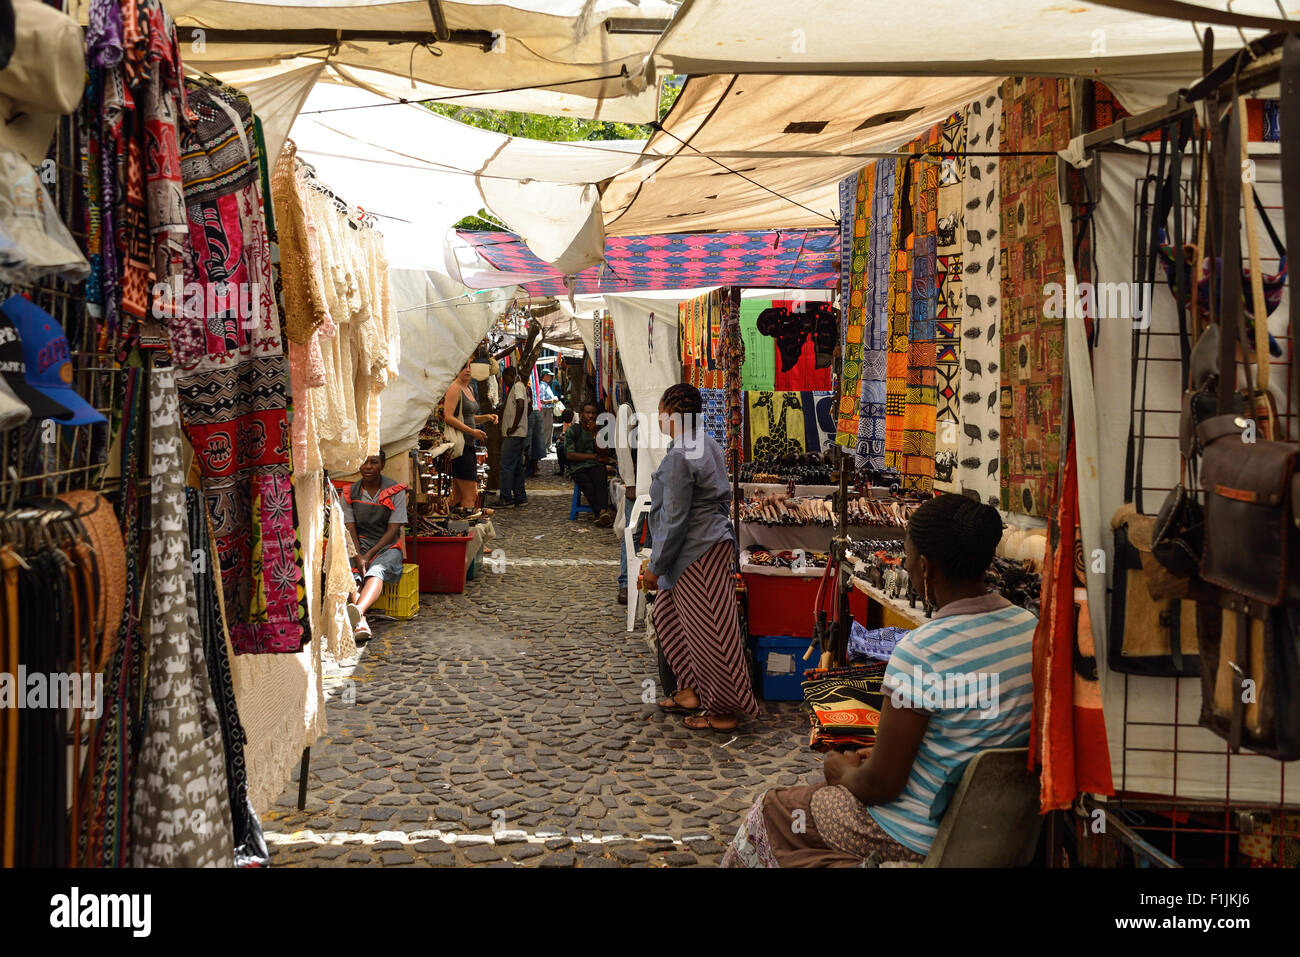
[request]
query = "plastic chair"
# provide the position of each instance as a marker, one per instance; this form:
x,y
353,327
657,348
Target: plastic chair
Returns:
x,y
630,546
577,507
993,818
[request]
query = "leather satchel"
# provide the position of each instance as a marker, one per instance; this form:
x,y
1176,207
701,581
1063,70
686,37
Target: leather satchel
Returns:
x,y
1249,630
1152,635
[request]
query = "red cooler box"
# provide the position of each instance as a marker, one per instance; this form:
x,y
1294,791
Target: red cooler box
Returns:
x,y
781,604
442,562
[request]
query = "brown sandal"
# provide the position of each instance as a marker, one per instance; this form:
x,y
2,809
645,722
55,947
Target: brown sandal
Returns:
x,y
704,722
676,707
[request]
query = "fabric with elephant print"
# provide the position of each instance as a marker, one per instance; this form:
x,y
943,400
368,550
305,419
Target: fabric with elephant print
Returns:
x,y
180,808
948,315
233,376
776,424
1035,118
978,455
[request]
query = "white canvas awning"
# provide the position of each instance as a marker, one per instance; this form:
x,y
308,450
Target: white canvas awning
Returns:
x,y
564,57
789,139
407,163
1141,57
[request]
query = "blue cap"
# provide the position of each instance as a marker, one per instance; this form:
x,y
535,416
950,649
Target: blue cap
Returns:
x,y
48,359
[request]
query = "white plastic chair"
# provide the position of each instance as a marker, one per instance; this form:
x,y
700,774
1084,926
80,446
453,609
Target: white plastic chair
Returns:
x,y
634,559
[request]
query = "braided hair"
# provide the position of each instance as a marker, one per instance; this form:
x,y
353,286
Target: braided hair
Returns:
x,y
958,534
684,401
682,398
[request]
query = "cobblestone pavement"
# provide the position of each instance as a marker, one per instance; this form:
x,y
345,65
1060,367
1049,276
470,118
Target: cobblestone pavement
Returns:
x,y
505,726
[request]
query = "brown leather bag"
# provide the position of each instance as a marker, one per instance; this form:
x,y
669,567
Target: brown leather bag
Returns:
x,y
1249,632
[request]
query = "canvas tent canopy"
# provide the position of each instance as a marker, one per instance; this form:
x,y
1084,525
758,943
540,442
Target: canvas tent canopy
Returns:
x,y
422,172
1141,50
566,57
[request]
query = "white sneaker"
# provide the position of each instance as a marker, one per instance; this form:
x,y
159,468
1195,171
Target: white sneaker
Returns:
x,y
354,615
361,630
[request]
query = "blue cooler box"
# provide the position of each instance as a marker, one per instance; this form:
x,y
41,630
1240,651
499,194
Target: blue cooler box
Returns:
x,y
781,666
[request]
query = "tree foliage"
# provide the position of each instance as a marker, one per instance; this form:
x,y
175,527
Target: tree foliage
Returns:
x,y
552,129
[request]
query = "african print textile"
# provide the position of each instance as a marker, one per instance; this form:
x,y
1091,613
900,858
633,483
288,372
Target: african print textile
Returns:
x,y
233,376
948,304
856,195
871,422
898,315
920,395
699,325
818,420
978,446
776,424
759,259
1035,117
759,371
714,414
732,353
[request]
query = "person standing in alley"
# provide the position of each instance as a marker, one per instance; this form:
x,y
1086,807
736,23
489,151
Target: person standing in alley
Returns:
x,y
692,563
514,422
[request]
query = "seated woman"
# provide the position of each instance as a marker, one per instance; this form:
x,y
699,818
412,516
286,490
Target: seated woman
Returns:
x,y
374,511
888,800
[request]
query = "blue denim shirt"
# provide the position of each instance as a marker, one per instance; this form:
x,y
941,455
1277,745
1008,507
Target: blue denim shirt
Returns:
x,y
690,505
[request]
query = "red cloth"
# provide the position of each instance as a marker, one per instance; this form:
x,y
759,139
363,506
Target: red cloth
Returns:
x,y
803,375
1068,735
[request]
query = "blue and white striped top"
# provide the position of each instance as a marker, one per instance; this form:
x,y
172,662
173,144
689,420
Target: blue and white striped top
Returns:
x,y
971,668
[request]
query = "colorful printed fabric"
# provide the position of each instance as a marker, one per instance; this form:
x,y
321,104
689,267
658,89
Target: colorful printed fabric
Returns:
x,y
978,446
803,376
733,354
714,416
699,324
1035,117
917,460
776,425
871,423
948,314
785,259
856,194
898,315
819,432
232,376
759,371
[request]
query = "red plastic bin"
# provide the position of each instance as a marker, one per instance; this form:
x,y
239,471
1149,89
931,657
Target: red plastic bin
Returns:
x,y
442,562
781,604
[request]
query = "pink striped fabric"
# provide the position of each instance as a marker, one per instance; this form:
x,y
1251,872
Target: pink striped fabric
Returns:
x,y
697,627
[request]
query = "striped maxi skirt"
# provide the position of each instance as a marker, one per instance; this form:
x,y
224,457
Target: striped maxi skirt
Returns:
x,y
698,629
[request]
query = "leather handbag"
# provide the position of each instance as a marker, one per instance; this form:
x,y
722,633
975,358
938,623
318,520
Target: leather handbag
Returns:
x,y
1148,635
1249,630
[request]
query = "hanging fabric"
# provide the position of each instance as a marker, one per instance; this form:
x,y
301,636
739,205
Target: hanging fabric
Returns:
x,y
1035,117
979,437
949,269
233,378
180,806
856,195
876,303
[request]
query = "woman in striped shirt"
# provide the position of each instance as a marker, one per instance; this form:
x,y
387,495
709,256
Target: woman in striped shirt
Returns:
x,y
959,684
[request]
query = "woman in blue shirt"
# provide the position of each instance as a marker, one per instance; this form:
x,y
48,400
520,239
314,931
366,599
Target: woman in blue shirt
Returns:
x,y
693,565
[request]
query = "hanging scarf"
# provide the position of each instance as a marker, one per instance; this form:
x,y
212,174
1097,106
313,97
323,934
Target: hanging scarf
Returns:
x,y
856,199
917,461
948,314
